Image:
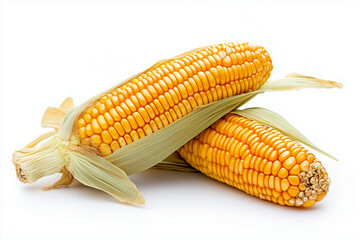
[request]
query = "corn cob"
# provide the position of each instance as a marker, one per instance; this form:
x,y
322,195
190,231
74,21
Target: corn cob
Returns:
x,y
102,141
85,140
171,90
258,160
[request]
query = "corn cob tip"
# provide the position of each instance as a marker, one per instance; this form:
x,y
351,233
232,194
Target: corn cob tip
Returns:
x,y
19,171
314,184
32,163
258,160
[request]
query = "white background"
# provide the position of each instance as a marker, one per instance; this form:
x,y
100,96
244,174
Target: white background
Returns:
x,y
55,49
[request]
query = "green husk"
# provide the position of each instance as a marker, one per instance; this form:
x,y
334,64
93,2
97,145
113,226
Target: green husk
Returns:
x,y
109,174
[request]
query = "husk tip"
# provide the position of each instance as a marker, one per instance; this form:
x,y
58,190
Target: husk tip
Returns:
x,y
339,85
330,83
140,199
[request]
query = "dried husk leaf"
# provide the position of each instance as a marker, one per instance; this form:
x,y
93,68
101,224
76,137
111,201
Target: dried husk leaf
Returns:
x,y
65,180
53,117
294,81
94,171
67,104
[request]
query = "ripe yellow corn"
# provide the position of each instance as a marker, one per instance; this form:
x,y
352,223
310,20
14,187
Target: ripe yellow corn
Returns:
x,y
258,160
171,90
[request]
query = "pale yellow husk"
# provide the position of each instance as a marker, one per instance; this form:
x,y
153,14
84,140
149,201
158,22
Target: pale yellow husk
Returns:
x,y
63,153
